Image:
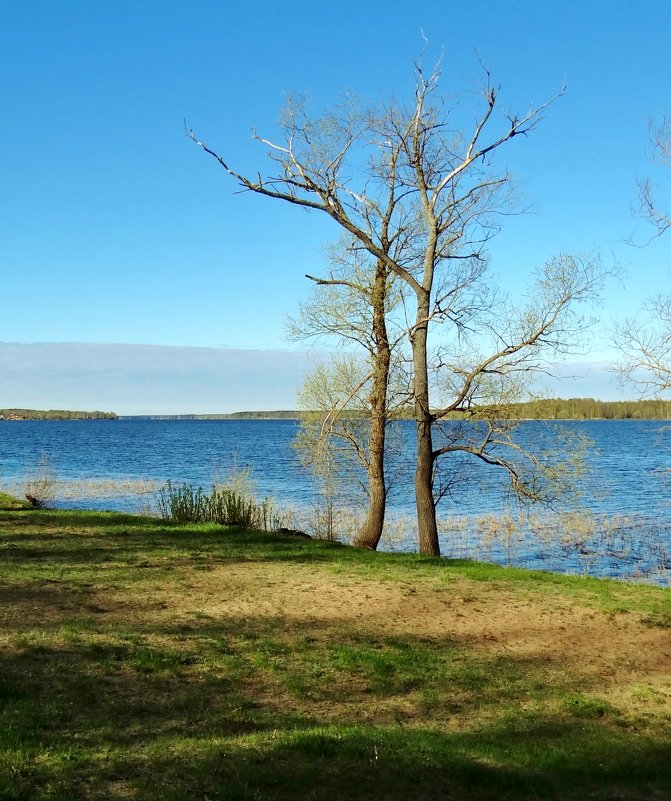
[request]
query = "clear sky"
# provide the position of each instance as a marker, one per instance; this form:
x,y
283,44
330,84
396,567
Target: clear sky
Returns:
x,y
116,229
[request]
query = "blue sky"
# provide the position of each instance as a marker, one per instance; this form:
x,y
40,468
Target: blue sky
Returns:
x,y
116,229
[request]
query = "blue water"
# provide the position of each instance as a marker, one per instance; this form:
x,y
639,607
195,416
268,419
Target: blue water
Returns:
x,y
625,480
198,452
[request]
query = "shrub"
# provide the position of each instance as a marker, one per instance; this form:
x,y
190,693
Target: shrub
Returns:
x,y
182,503
10,503
228,507
225,505
40,487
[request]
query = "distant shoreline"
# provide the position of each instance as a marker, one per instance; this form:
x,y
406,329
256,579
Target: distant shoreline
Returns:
x,y
54,414
545,409
541,409
278,415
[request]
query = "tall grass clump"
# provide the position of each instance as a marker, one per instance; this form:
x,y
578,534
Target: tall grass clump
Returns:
x,y
183,503
229,507
225,505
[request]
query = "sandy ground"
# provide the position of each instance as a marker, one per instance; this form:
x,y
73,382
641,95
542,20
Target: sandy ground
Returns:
x,y
619,652
619,648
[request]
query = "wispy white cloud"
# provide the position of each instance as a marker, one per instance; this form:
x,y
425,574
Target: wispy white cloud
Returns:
x,y
583,380
153,379
146,379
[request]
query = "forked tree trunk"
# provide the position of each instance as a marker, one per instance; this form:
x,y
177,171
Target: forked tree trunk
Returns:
x,y
371,531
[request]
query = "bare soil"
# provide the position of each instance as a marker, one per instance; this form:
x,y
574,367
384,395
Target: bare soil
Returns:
x,y
621,652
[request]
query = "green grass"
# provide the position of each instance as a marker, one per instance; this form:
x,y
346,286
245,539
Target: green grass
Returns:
x,y
9,502
117,682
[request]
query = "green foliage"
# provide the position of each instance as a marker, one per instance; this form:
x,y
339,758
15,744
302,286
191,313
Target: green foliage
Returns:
x,y
590,409
567,409
182,503
9,502
230,508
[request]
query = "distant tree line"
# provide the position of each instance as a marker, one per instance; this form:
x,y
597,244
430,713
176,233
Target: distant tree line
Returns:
x,y
285,414
573,409
590,409
54,414
540,409
563,409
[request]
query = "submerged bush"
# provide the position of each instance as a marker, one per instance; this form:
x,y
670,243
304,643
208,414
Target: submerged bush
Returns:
x,y
226,506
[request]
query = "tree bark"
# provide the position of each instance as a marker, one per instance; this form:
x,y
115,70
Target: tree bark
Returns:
x,y
371,531
427,528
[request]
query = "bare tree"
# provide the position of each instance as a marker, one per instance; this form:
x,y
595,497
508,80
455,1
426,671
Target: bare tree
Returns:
x,y
417,188
335,443
483,378
645,344
649,207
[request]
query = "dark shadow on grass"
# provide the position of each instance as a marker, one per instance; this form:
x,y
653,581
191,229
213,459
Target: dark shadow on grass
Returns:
x,y
89,717
400,764
36,604
81,536
37,536
260,707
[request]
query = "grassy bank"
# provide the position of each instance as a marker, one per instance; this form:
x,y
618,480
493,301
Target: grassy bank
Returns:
x,y
154,661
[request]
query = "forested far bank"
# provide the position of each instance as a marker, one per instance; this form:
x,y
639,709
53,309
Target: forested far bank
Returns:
x,y
572,409
540,409
54,414
285,414
590,409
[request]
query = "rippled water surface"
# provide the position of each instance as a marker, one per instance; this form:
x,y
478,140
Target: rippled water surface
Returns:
x,y
625,481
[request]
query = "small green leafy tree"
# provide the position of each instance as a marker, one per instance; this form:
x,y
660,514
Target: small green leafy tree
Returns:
x,y
347,404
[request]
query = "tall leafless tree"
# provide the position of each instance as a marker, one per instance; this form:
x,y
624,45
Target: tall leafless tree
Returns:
x,y
645,344
416,186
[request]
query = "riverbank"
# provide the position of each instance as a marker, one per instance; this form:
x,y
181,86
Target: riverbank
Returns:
x,y
539,409
155,661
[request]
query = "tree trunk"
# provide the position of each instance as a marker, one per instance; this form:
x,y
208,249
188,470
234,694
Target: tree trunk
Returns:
x,y
371,531
427,528
426,507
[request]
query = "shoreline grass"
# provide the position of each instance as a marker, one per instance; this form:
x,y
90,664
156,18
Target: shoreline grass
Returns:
x,y
151,660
